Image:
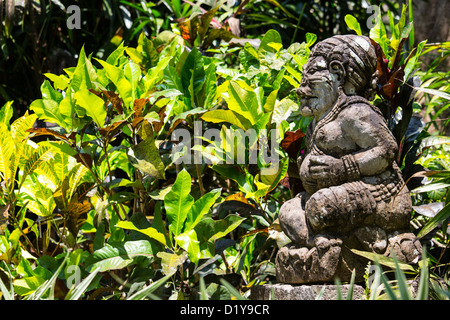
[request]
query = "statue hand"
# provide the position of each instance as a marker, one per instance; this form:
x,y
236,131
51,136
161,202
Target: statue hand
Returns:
x,y
326,168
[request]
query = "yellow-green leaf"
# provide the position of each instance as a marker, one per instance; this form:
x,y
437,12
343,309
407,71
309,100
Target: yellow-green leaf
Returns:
x,y
151,232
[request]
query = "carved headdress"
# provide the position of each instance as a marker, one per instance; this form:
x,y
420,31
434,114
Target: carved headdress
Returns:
x,y
358,58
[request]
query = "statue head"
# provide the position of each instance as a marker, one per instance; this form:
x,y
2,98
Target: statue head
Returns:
x,y
343,64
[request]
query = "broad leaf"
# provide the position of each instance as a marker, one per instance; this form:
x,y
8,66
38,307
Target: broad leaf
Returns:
x,y
6,113
178,202
271,36
434,222
48,110
193,76
189,242
150,232
83,74
200,208
244,102
353,24
6,150
218,116
123,86
386,261
145,157
94,106
208,230
171,261
40,155
118,255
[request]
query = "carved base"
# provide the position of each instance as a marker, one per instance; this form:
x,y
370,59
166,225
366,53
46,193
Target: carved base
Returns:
x,y
303,292
301,265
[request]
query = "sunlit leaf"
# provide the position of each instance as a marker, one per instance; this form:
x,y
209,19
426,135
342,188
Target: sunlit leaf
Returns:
x,y
150,232
94,106
178,202
118,255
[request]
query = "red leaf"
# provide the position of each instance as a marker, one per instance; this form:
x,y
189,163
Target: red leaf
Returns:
x,y
85,159
292,142
45,131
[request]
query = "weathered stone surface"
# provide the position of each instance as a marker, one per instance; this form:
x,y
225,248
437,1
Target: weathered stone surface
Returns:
x,y
303,292
355,196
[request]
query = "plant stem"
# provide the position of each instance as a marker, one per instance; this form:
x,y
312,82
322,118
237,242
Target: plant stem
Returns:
x,y
200,181
298,23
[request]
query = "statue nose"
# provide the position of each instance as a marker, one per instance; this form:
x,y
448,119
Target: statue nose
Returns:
x,y
304,90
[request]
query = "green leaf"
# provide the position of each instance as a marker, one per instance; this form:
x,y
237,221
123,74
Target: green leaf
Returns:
x,y
422,292
209,229
20,126
39,293
193,75
76,292
268,182
244,102
189,242
144,292
233,173
123,85
48,110
118,255
49,93
353,24
59,82
232,290
401,281
6,150
310,39
157,73
132,73
178,202
271,36
442,216
42,153
283,110
210,86
27,285
83,74
6,113
94,106
386,261
145,157
200,208
171,261
151,232
218,116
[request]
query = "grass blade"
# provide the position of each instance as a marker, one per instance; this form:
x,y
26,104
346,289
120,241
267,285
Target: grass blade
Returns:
x,y
39,292
76,292
7,295
232,290
352,284
143,293
422,293
401,281
203,293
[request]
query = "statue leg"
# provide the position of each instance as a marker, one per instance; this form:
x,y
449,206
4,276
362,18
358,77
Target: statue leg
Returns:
x,y
293,220
340,208
307,259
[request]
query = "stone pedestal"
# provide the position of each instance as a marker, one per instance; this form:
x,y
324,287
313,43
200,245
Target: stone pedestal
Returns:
x,y
303,292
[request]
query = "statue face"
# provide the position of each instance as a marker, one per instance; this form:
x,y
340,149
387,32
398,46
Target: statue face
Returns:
x,y
318,90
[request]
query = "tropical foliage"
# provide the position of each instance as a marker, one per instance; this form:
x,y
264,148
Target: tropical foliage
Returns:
x,y
112,189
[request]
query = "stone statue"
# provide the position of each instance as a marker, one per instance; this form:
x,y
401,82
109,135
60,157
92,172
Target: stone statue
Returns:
x,y
355,195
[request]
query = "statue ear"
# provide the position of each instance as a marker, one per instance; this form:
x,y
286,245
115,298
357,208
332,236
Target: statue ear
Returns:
x,y
336,68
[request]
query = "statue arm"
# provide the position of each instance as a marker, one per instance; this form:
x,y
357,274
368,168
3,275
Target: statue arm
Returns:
x,y
370,133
